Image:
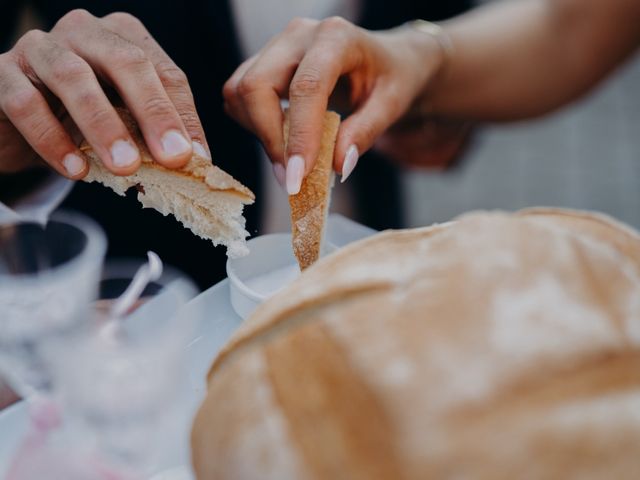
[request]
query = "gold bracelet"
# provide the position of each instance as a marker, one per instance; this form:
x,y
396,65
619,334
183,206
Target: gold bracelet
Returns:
x,y
437,32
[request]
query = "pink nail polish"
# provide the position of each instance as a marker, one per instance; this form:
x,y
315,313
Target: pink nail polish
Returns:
x,y
295,174
350,162
281,175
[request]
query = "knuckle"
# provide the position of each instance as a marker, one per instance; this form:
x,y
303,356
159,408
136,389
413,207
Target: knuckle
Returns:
x,y
98,118
20,104
171,75
5,60
74,18
191,121
229,90
299,23
367,132
46,134
298,140
124,19
157,106
90,100
32,37
306,84
248,85
129,56
334,24
70,69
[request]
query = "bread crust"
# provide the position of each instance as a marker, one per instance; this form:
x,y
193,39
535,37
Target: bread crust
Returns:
x,y
201,196
198,168
310,206
451,378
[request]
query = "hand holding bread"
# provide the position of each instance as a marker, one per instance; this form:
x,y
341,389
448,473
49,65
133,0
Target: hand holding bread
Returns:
x,y
52,91
200,195
380,69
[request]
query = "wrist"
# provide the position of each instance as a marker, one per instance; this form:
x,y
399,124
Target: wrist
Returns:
x,y
435,49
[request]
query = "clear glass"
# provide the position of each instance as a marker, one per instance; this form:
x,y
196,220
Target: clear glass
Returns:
x,y
48,280
122,392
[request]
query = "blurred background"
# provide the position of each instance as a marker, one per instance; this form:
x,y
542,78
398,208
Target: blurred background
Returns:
x,y
585,156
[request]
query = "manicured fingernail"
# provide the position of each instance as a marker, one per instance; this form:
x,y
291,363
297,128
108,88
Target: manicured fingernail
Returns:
x,y
73,164
295,174
199,150
124,154
174,144
350,162
280,174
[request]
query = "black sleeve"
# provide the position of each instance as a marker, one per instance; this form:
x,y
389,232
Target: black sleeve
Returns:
x,y
440,10
383,14
9,10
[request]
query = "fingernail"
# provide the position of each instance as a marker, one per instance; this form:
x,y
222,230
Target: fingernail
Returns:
x,y
280,174
174,144
73,164
350,162
199,150
295,173
123,154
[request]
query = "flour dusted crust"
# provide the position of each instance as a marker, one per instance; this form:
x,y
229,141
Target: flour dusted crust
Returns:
x,y
498,346
310,207
200,195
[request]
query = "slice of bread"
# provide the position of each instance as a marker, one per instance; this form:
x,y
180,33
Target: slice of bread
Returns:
x,y
310,207
201,196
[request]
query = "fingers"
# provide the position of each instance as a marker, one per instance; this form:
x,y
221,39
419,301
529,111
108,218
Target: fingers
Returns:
x,y
305,61
360,130
252,94
172,78
127,68
333,54
71,80
29,112
232,101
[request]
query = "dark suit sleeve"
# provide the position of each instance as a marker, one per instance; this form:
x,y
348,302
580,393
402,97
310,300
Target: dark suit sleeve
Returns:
x,y
9,10
383,14
440,10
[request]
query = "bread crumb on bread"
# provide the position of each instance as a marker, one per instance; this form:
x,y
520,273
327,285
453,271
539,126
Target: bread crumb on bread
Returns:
x,y
201,196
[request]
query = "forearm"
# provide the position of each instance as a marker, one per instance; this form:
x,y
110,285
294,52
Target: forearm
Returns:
x,y
523,58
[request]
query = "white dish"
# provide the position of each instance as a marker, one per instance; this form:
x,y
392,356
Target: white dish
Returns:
x,y
270,266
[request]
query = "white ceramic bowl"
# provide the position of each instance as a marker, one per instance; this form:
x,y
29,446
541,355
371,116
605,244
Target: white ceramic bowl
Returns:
x,y
268,253
271,254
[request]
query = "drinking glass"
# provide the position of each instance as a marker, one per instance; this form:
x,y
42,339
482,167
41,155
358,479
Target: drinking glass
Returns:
x,y
123,385
48,279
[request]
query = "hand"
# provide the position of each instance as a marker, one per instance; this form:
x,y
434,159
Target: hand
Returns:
x,y
385,72
68,72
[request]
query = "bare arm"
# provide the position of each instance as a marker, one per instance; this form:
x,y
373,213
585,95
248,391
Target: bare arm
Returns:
x,y
511,60
523,58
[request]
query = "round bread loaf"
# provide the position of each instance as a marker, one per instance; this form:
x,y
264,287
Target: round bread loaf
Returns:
x,y
498,346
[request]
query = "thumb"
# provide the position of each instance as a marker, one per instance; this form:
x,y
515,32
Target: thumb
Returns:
x,y
360,130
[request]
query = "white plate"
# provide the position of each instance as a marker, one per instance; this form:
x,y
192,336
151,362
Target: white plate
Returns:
x,y
211,332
